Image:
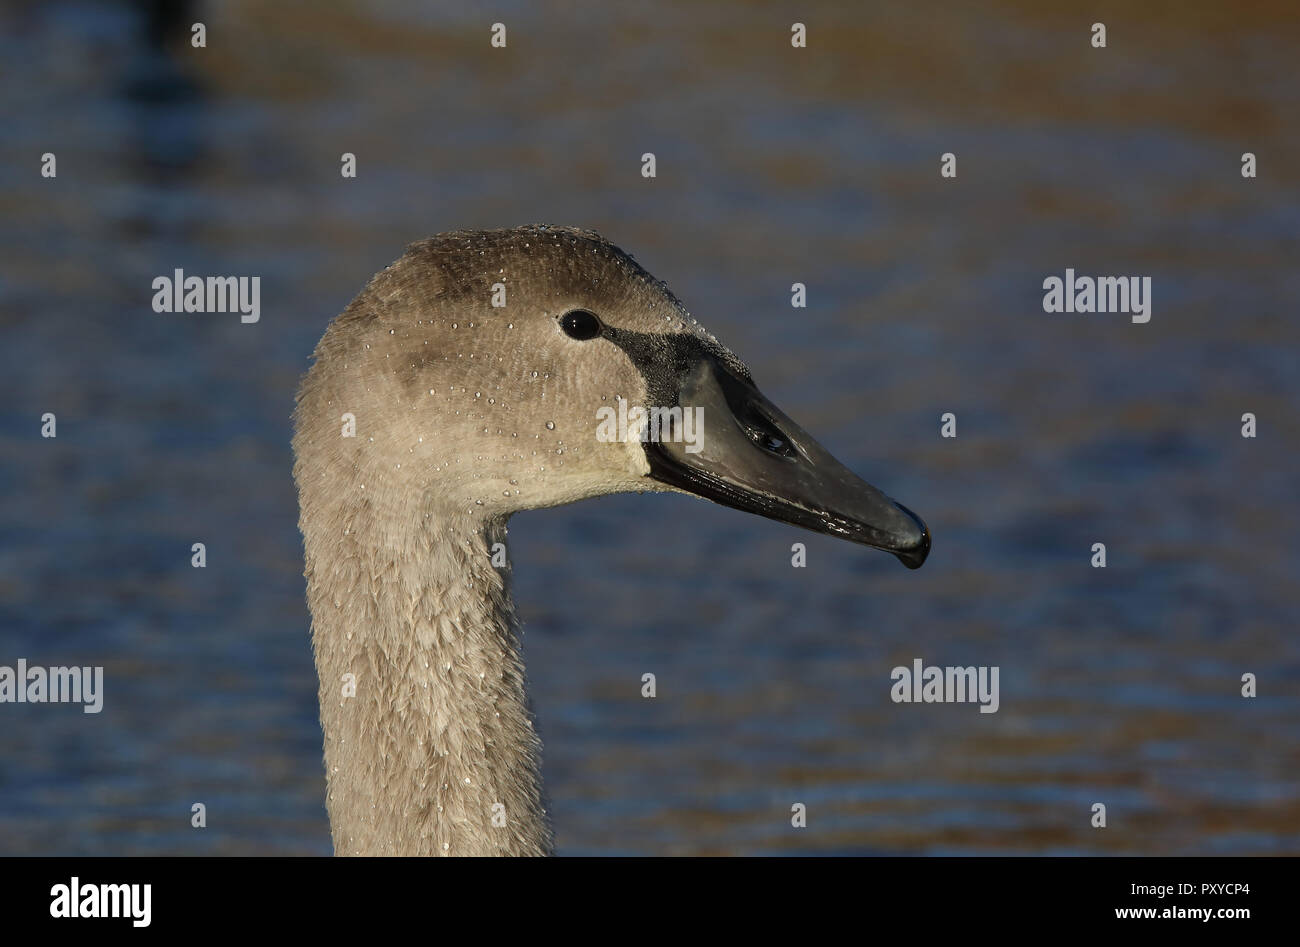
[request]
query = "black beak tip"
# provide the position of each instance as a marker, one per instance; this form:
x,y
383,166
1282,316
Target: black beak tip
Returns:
x,y
914,556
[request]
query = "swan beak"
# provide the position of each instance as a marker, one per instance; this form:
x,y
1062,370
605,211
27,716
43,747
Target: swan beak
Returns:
x,y
747,454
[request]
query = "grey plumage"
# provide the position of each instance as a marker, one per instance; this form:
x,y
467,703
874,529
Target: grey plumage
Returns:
x,y
464,413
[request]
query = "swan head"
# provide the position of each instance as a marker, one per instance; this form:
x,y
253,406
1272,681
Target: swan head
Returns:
x,y
489,372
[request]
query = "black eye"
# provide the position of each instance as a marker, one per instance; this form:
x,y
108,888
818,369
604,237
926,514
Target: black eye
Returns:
x,y
580,324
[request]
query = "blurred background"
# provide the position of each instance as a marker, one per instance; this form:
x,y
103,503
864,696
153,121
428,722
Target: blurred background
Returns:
x,y
775,165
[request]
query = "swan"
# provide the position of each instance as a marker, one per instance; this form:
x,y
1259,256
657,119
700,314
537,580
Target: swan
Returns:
x,y
462,385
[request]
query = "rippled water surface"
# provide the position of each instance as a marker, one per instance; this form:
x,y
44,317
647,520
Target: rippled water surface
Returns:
x,y
775,165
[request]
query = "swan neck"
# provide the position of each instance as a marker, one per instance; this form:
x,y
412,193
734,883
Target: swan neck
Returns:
x,y
429,745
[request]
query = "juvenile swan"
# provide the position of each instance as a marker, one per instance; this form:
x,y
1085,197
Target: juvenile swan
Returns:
x,y
461,386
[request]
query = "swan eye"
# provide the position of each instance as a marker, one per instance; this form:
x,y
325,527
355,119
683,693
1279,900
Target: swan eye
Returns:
x,y
580,324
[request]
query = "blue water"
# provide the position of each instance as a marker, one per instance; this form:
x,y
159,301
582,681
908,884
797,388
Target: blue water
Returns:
x,y
775,165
